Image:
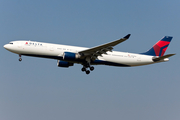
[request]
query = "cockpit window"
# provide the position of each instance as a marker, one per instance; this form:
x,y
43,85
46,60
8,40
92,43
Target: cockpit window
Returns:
x,y
10,43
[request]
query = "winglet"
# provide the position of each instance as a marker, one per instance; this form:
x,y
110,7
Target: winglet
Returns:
x,y
127,36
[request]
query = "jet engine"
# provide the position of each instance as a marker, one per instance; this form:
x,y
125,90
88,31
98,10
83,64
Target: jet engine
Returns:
x,y
71,56
64,63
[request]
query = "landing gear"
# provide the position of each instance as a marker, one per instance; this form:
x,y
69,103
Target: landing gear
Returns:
x,y
87,72
85,66
20,59
91,68
83,69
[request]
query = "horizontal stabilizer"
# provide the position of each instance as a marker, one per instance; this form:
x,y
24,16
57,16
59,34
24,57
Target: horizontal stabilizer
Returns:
x,y
155,59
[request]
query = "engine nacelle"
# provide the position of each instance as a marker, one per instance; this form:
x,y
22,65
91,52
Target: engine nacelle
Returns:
x,y
64,63
71,56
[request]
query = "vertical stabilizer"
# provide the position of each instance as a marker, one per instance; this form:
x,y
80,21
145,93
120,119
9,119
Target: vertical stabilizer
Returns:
x,y
160,47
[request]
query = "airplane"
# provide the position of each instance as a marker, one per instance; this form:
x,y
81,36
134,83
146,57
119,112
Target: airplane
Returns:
x,y
67,56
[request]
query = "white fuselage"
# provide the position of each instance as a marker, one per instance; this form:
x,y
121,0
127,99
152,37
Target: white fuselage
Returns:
x,y
55,51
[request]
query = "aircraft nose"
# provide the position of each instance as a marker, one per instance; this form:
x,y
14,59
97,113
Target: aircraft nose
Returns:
x,y
5,46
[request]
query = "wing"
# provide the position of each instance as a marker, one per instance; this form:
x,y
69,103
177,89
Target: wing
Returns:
x,y
94,52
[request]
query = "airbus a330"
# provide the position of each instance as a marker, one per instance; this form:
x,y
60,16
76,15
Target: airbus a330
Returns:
x,y
67,56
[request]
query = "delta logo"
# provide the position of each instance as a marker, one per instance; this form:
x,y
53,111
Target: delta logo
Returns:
x,y
33,43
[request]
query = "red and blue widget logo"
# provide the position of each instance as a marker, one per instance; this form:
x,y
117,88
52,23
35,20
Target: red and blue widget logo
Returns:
x,y
160,47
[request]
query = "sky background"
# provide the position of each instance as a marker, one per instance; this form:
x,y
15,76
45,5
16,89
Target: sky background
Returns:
x,y
36,89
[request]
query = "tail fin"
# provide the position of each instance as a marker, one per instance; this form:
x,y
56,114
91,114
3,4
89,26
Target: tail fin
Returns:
x,y
160,47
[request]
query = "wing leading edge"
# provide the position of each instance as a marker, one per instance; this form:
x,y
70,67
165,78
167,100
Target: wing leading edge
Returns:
x,y
94,52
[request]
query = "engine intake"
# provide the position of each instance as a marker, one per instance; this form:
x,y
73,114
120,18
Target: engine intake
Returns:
x,y
64,63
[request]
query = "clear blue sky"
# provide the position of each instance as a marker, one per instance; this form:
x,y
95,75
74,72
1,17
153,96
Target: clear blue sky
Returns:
x,y
36,89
